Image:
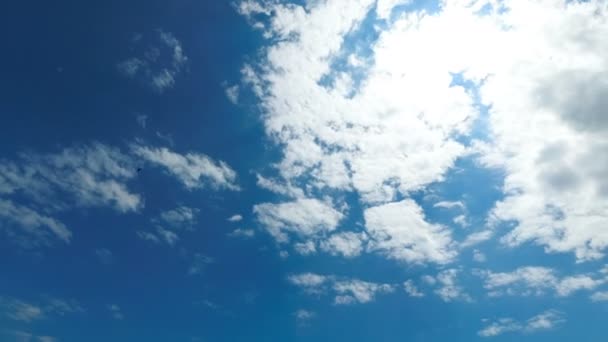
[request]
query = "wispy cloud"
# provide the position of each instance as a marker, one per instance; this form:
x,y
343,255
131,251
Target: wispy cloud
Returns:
x,y
543,321
152,68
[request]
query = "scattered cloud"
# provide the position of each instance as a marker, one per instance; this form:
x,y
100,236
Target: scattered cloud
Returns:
x,y
536,281
478,256
116,312
399,231
347,244
84,176
601,296
448,289
19,310
233,94
142,120
158,65
305,248
411,289
104,255
543,321
304,316
304,217
235,218
194,170
181,217
345,291
199,263
242,233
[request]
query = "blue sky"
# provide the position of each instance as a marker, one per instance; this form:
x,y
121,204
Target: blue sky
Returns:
x,y
326,170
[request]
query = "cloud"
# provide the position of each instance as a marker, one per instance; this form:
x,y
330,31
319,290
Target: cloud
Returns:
x,y
199,263
19,310
181,217
399,231
536,281
411,289
233,94
543,321
450,205
160,235
601,296
448,289
304,316
357,291
142,120
476,238
347,244
235,218
305,248
303,217
344,291
158,65
478,256
83,176
194,170
104,255
242,233
116,312
535,69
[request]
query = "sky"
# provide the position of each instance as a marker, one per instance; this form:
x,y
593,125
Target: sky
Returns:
x,y
312,170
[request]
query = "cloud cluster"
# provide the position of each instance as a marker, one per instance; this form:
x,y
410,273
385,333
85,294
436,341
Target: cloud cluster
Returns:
x,y
393,124
535,281
159,64
543,321
344,291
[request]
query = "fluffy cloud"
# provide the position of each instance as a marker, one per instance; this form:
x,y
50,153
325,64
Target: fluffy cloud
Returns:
x,y
400,231
116,312
242,233
345,291
543,321
448,289
303,217
390,127
347,244
194,170
235,218
151,68
411,289
534,280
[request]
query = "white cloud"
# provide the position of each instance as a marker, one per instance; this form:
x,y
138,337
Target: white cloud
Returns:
x,y
194,170
104,255
448,289
399,231
478,256
357,291
19,310
303,316
180,217
450,205
159,235
411,289
345,291
86,176
347,244
543,321
385,7
303,217
539,66
151,67
534,280
199,262
235,218
233,94
476,238
305,248
116,312
242,233
601,296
